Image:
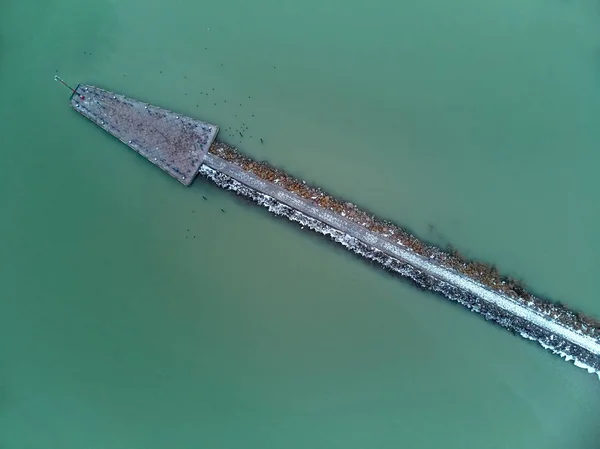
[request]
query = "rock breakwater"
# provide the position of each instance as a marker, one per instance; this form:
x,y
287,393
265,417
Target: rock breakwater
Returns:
x,y
585,352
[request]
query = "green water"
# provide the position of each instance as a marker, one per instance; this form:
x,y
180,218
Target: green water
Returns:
x,y
119,328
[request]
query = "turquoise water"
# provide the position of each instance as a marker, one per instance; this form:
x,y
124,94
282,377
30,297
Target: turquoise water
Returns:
x,y
468,123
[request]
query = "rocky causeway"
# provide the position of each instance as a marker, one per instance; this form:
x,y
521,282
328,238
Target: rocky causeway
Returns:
x,y
185,147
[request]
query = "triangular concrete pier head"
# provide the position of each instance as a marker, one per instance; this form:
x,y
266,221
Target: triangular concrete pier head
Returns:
x,y
175,143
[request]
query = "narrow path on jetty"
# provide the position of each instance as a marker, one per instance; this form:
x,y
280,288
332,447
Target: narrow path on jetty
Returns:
x,y
402,253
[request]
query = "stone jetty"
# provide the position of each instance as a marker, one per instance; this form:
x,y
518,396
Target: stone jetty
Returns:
x,y
184,147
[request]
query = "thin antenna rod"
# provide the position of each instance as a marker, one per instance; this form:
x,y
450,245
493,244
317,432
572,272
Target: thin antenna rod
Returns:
x,y
59,79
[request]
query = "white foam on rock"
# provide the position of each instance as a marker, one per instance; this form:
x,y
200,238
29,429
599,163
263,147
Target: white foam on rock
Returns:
x,y
403,255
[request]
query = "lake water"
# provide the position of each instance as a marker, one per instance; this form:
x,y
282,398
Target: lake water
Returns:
x,y
134,314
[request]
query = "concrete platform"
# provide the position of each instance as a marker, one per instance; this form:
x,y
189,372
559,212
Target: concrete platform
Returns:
x,y
173,142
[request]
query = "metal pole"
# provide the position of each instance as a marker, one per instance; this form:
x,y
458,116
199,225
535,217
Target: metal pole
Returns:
x,y
59,79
